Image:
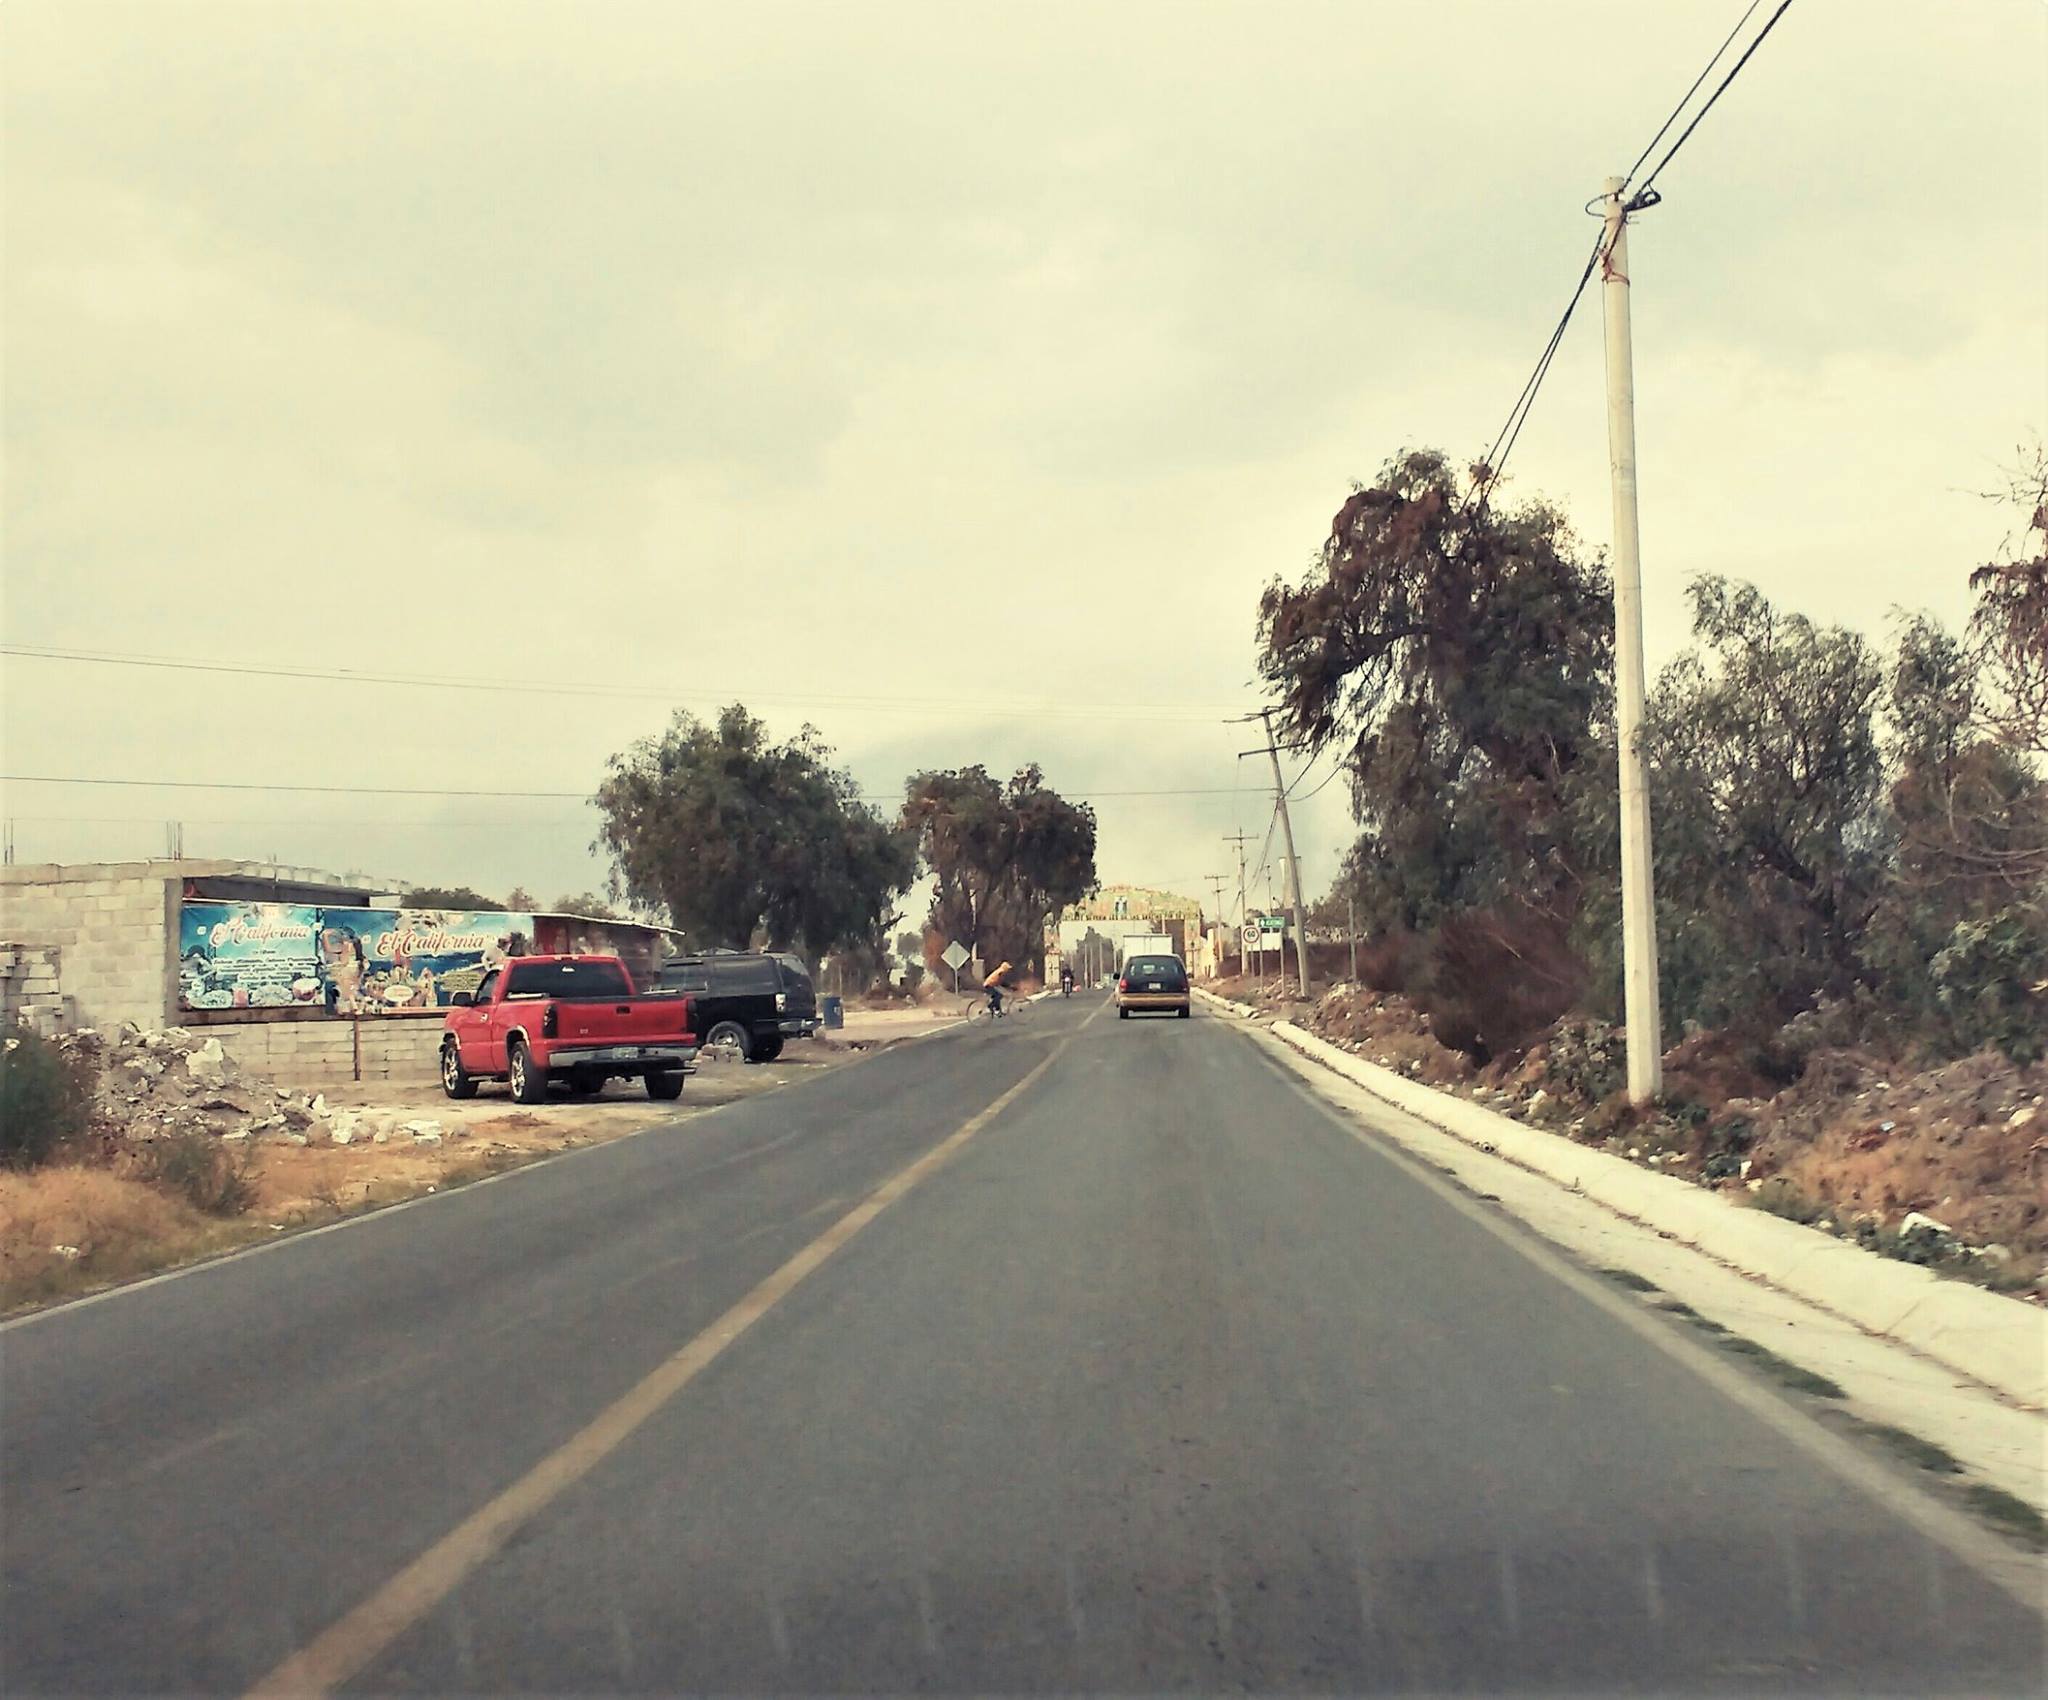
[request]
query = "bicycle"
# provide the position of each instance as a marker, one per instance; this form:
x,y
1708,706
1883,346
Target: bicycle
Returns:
x,y
1014,1005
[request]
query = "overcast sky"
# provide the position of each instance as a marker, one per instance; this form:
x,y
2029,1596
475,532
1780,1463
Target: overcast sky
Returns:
x,y
952,376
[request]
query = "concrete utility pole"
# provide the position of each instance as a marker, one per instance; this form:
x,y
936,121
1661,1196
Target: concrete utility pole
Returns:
x,y
1638,897
1216,884
1351,932
1293,867
1239,840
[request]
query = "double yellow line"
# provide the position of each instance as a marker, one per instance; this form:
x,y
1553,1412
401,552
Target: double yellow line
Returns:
x,y
348,1645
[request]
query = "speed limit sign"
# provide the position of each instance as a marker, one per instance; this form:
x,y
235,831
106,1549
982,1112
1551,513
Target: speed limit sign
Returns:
x,y
1249,936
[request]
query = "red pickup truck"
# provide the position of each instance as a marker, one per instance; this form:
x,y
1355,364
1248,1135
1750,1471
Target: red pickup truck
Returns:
x,y
575,1020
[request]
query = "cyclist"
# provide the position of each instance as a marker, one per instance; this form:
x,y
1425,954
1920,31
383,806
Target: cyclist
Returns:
x,y
1066,979
993,985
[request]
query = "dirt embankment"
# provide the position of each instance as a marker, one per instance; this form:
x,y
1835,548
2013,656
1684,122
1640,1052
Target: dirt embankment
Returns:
x,y
1943,1165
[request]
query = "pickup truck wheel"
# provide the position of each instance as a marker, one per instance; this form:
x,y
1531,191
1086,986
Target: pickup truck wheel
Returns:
x,y
529,1084
664,1086
731,1036
456,1080
767,1050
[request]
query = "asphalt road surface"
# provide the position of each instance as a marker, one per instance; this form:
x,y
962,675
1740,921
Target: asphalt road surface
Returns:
x,y
1156,1378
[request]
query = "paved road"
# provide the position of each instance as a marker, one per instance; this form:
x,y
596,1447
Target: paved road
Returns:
x,y
1161,1381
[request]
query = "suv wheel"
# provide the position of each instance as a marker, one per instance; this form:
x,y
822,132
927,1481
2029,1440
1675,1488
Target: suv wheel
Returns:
x,y
730,1036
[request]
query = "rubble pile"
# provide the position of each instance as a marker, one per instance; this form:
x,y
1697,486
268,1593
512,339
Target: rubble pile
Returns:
x,y
1956,1154
175,1082
1386,1029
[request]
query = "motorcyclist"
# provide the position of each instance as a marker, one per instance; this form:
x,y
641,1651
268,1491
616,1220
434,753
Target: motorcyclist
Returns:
x,y
993,985
1066,979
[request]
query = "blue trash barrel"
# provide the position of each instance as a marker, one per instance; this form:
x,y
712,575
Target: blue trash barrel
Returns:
x,y
834,1011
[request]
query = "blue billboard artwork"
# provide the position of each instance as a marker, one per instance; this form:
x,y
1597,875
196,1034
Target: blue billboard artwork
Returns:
x,y
390,961
348,962
247,955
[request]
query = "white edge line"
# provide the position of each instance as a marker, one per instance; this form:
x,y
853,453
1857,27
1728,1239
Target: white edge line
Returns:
x,y
2016,1574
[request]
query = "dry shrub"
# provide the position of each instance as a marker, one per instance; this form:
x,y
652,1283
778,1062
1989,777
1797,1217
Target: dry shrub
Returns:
x,y
210,1175
1712,1067
1391,962
1496,979
67,1226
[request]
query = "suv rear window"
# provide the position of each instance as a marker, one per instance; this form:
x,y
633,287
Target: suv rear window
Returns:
x,y
722,976
1154,968
567,980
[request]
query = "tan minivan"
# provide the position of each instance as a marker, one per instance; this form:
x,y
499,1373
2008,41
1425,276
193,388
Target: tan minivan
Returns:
x,y
1152,983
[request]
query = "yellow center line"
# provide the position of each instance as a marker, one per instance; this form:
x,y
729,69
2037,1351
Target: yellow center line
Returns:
x,y
346,1646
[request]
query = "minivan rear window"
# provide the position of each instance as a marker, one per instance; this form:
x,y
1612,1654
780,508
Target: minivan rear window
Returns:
x,y
1154,968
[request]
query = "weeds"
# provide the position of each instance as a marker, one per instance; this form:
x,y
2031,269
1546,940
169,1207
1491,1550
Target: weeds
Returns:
x,y
1792,1375
1685,1313
1911,1447
212,1177
1779,1197
2012,1514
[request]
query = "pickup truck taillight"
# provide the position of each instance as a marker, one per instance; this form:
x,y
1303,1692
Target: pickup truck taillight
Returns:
x,y
689,1015
550,1021
781,1002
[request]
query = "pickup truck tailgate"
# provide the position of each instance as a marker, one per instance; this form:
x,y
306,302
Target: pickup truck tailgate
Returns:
x,y
604,1021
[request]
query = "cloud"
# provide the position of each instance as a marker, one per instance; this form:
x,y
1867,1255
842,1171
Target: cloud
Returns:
x,y
928,354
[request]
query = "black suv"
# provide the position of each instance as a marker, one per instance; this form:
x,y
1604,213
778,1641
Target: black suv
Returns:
x,y
746,1002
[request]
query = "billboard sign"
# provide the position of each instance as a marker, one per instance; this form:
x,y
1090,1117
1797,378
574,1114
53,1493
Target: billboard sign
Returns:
x,y
346,961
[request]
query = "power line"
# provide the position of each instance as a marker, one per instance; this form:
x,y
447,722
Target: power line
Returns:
x,y
1332,774
1010,708
1511,430
1719,88
1705,72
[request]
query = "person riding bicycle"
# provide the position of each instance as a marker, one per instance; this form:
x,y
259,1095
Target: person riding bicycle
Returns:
x,y
1066,979
993,985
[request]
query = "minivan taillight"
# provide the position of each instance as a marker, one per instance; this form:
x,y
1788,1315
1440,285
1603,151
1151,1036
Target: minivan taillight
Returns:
x,y
1123,985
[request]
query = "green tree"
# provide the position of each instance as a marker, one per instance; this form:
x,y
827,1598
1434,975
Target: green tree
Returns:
x,y
1460,655
738,838
2009,629
520,901
1002,856
1766,781
590,906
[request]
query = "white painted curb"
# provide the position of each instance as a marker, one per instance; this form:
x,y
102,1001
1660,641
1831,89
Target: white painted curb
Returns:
x,y
1998,1341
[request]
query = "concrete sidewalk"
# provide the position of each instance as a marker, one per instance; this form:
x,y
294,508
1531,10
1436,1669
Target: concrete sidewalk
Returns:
x,y
880,1026
1999,1342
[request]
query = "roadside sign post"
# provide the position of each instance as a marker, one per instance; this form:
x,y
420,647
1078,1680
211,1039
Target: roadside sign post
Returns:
x,y
953,956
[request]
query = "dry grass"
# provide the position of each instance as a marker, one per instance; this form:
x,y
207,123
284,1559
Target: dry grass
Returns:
x,y
67,1229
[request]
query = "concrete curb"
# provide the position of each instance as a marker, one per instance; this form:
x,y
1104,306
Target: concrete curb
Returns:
x,y
2000,1342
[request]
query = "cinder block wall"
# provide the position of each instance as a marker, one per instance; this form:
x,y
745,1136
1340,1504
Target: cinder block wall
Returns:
x,y
109,928
322,1053
30,989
